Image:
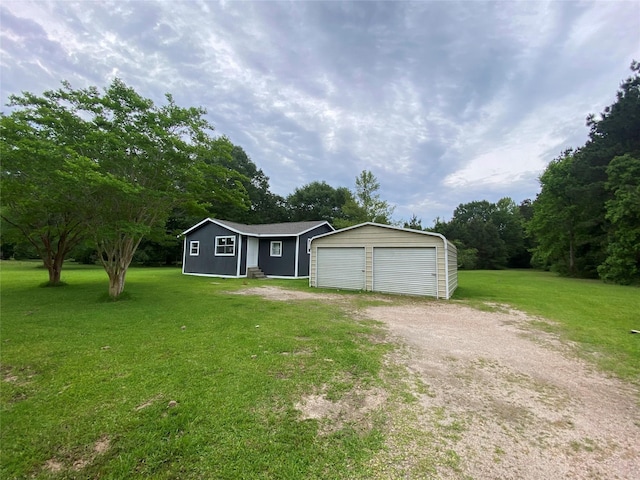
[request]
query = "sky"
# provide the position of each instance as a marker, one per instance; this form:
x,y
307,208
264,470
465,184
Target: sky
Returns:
x,y
445,102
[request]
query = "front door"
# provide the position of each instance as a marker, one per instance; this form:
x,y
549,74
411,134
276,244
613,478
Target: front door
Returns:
x,y
252,252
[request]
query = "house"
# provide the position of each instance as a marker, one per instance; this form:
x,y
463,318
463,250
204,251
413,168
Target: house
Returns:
x,y
383,258
218,248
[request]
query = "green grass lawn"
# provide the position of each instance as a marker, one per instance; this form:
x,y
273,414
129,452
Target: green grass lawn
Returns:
x,y
598,316
80,371
86,382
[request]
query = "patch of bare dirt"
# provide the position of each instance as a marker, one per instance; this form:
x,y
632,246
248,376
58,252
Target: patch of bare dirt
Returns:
x,y
100,447
282,294
351,408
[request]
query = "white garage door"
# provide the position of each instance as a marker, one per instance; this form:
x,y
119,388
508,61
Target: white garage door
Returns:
x,y
340,268
411,271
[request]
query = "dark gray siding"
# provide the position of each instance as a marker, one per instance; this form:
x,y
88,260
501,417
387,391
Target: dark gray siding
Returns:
x,y
207,262
285,265
303,257
243,256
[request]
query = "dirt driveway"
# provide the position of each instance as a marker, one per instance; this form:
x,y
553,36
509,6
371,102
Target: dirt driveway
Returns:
x,y
507,401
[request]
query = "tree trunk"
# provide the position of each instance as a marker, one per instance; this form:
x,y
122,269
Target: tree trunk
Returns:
x,y
55,271
116,282
53,258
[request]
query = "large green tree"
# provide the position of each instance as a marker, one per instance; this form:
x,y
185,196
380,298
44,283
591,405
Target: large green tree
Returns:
x,y
131,163
317,201
488,235
622,264
40,203
263,205
365,204
574,223
554,218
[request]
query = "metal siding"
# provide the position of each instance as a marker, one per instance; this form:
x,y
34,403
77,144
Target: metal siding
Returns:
x,y
411,271
340,268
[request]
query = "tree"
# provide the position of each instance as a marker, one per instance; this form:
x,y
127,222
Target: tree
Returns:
x,y
365,205
131,162
39,202
263,206
317,201
573,224
414,223
623,211
554,216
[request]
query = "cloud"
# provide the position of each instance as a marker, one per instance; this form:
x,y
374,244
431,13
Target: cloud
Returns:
x,y
445,102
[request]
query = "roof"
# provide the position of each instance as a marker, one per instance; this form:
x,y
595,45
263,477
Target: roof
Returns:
x,y
287,229
391,227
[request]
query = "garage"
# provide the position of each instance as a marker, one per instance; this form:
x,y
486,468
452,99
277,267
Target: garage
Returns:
x,y
384,258
410,271
341,268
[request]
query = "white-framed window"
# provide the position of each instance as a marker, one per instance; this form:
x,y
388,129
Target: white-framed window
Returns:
x,y
225,246
276,249
308,245
194,248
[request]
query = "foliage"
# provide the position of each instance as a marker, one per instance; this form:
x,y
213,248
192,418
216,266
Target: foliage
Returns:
x,y
554,216
39,203
364,204
623,212
263,206
414,223
121,165
488,235
583,215
317,201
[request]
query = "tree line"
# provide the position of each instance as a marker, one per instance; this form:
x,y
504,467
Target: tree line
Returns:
x,y
110,177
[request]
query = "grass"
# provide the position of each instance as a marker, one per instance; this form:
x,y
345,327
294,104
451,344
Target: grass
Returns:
x,y
88,385
595,315
79,372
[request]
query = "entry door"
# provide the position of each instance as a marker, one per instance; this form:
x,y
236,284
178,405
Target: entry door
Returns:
x,y
340,268
252,252
409,271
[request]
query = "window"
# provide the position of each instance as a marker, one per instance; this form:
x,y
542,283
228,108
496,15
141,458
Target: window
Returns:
x,y
276,249
226,246
194,248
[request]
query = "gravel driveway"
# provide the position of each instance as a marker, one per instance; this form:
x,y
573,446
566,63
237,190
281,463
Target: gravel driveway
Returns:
x,y
527,408
497,398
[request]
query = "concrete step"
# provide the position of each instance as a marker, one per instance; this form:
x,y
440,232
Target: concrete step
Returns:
x,y
255,272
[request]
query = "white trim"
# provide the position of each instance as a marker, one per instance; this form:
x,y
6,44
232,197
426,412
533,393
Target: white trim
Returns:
x,y
390,227
239,256
297,258
284,277
184,254
309,245
192,244
261,235
213,275
215,246
271,245
446,270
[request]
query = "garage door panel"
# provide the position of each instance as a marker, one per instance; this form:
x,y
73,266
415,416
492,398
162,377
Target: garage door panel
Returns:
x,y
341,268
409,271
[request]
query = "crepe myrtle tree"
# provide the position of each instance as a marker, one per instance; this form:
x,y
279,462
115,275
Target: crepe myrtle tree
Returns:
x,y
39,203
130,163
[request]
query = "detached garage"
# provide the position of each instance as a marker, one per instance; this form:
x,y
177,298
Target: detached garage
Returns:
x,y
387,259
